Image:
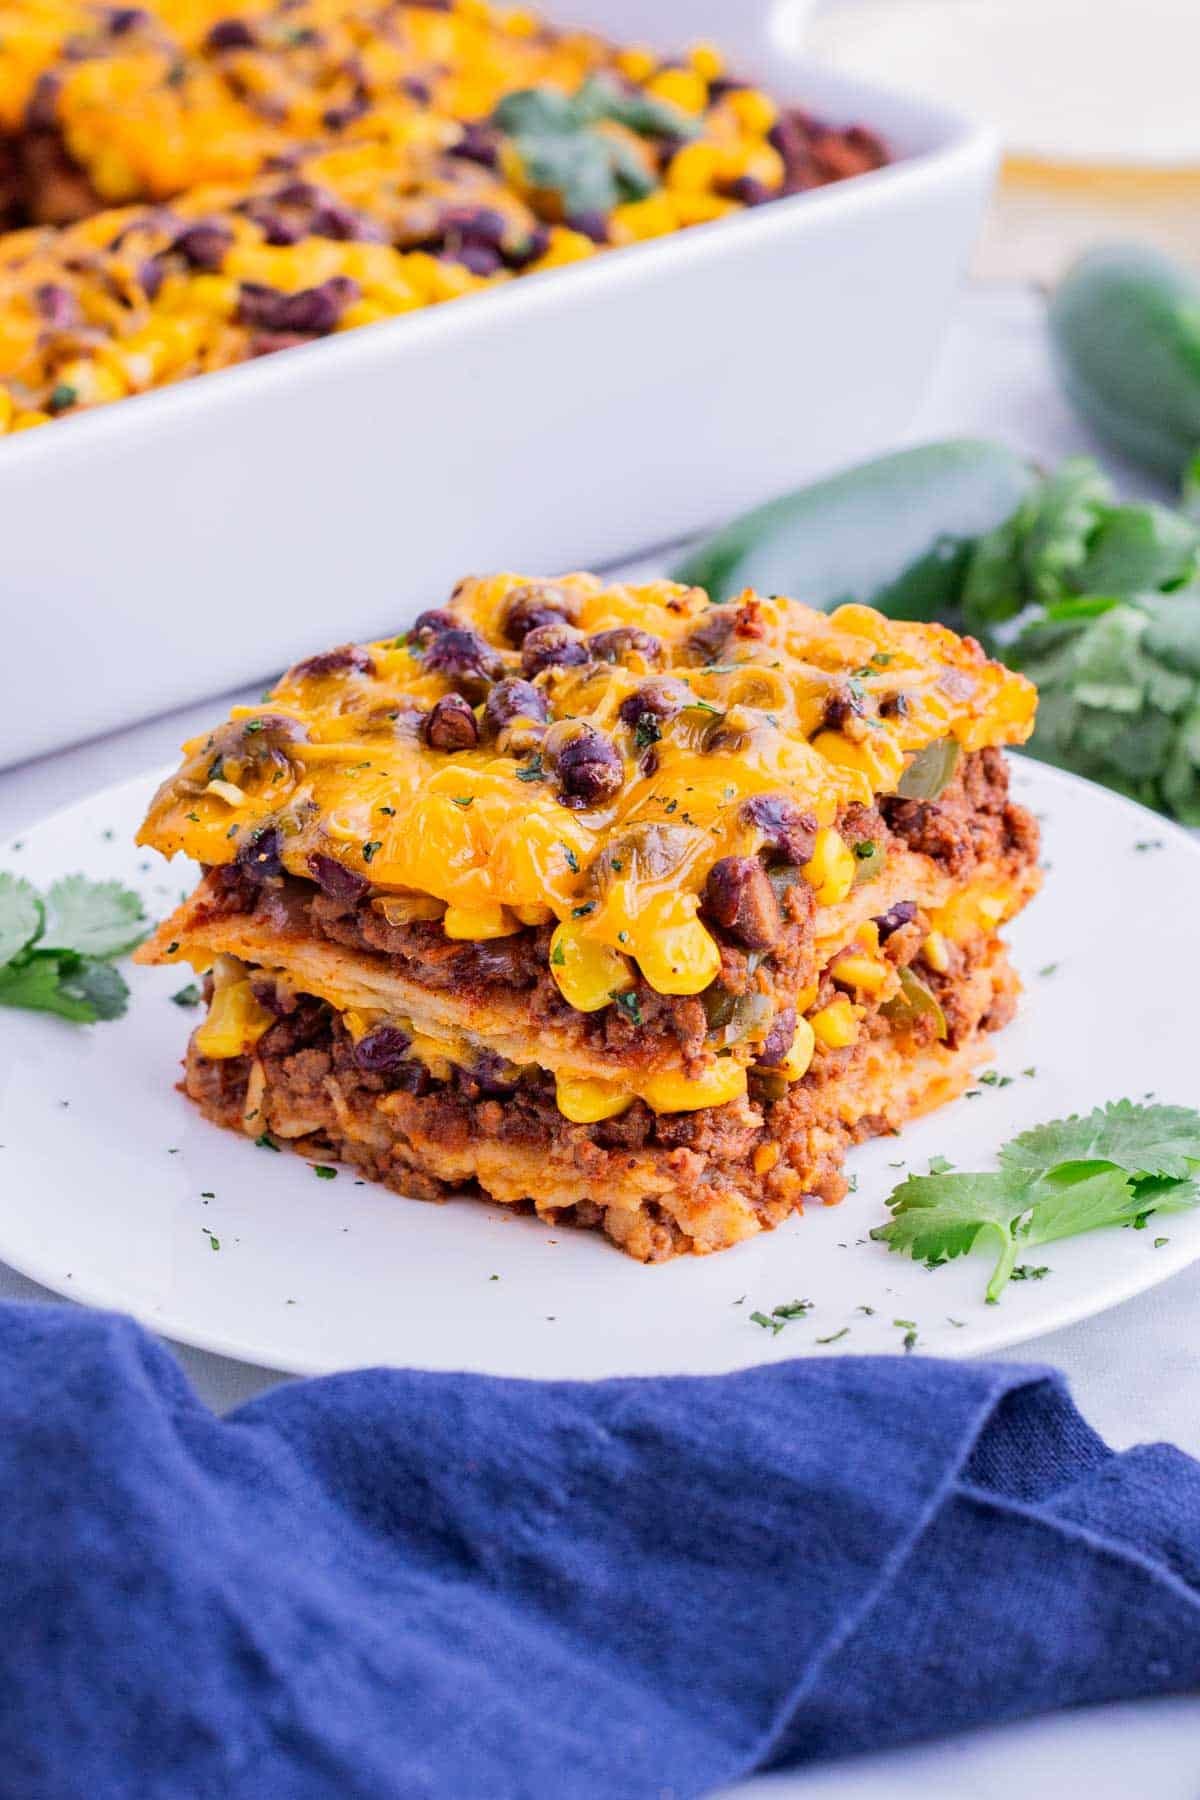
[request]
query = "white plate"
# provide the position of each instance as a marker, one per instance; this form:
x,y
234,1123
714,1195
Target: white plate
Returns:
x,y
114,1187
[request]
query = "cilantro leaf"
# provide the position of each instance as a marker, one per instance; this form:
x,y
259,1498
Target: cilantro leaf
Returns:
x,y
938,1217
21,916
1142,1140
1115,1167
95,918
79,988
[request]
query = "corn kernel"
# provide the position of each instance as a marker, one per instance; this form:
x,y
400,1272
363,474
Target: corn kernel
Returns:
x,y
795,1064
586,1101
707,61
235,1022
836,1025
680,87
831,868
672,1091
587,973
753,111
693,169
936,952
765,1158
637,63
477,922
679,958
864,973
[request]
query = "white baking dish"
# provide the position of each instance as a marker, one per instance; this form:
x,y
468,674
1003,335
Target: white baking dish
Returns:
x,y
195,538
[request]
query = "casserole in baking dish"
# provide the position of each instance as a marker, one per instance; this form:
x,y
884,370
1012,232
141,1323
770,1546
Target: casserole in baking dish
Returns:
x,y
593,411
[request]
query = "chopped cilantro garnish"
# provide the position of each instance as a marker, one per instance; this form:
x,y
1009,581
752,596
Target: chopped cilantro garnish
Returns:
x,y
534,769
558,956
581,912
792,1309
630,1006
646,731
214,1242
187,996
61,396
834,1336
266,1142
323,1172
463,800
252,726
369,849
1027,1272
572,859
774,1326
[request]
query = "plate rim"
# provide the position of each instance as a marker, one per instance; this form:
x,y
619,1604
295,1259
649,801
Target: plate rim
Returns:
x,y
1070,1311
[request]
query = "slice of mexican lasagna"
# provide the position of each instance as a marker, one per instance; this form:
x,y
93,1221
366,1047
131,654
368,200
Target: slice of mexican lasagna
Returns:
x,y
604,900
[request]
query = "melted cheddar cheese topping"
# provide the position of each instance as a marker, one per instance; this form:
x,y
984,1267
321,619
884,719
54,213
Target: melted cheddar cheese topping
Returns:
x,y
599,816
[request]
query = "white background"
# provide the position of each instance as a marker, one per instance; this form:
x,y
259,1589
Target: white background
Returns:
x,y
1135,1371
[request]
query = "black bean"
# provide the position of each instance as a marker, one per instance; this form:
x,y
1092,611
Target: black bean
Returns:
x,y
784,826
844,704
555,646
314,311
334,219
903,913
534,605
627,641
477,144
481,259
150,275
709,639
126,18
590,770
335,879
41,114
520,255
427,625
474,225
464,658
739,897
230,34
654,699
342,661
779,1039
260,856
750,192
382,1051
514,699
592,225
57,305
451,725
204,244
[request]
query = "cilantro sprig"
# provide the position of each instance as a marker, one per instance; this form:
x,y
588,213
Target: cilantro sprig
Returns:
x,y
57,948
1117,1166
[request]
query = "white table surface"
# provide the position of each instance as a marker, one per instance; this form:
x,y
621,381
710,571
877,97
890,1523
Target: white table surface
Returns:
x,y
1135,1371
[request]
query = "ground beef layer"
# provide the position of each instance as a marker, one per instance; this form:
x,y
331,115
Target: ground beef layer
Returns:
x,y
657,1185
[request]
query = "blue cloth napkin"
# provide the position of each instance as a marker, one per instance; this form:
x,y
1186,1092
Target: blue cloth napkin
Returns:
x,y
402,1584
